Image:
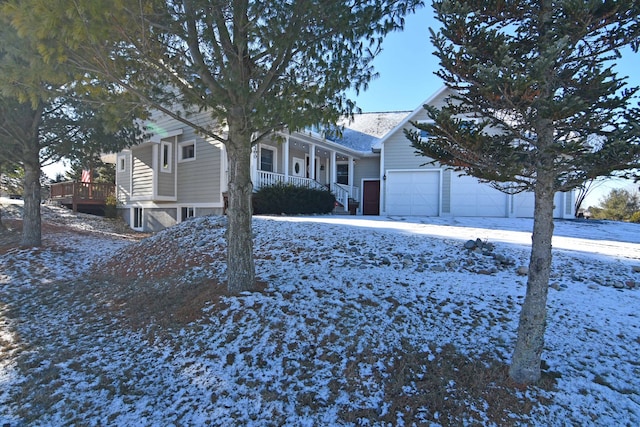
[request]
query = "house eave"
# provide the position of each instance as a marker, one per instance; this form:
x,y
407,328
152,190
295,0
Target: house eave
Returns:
x,y
378,145
310,139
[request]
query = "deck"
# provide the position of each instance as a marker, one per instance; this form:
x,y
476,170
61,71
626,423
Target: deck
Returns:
x,y
82,196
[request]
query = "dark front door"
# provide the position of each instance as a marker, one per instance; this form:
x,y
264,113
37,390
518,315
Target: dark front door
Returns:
x,y
371,197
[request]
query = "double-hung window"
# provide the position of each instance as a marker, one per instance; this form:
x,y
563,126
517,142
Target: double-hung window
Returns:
x,y
343,173
267,158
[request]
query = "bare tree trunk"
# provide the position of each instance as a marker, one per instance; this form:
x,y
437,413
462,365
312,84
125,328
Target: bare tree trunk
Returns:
x,y
240,264
525,366
581,194
2,227
31,221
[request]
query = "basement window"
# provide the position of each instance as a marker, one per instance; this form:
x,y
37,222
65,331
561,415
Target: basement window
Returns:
x,y
187,212
137,220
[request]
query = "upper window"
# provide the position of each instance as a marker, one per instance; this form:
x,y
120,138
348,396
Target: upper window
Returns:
x,y
122,163
187,151
165,156
267,158
424,134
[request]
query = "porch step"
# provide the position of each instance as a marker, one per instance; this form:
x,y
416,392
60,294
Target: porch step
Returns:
x,y
340,211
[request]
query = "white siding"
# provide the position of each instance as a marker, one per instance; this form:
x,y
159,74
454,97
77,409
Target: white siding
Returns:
x,y
123,178
142,171
166,181
196,181
199,180
367,167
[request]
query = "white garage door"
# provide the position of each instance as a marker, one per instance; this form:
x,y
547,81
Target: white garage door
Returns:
x,y
525,202
470,197
413,193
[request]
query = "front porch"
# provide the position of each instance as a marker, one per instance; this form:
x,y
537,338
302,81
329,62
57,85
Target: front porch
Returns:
x,y
347,196
306,160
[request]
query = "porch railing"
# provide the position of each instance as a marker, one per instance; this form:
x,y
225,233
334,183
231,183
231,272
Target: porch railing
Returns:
x,y
354,192
264,179
342,195
345,192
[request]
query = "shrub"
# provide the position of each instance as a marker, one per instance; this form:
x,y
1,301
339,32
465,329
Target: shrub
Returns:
x,y
110,208
635,217
618,205
292,200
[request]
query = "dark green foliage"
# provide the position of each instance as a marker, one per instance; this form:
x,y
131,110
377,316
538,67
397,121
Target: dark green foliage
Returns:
x,y
292,200
101,172
535,92
535,106
618,205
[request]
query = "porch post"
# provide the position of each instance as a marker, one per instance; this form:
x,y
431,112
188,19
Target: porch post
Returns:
x,y
255,152
351,173
286,158
334,169
312,161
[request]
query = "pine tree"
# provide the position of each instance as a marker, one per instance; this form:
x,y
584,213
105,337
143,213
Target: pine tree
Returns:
x,y
45,115
618,205
537,107
255,66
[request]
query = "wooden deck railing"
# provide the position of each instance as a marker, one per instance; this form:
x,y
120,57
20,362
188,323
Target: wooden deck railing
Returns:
x,y
80,192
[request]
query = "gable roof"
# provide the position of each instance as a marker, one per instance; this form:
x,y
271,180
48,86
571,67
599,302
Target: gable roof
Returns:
x,y
381,141
364,130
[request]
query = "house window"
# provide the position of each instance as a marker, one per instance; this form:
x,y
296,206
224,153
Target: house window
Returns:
x,y
137,223
122,163
187,151
424,134
165,157
343,173
187,212
267,157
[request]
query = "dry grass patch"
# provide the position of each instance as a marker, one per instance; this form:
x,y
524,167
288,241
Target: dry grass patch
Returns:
x,y
450,389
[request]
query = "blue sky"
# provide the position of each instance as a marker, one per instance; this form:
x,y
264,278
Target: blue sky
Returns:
x,y
406,66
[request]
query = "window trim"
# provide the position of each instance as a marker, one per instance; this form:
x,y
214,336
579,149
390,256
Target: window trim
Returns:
x,y
165,148
183,209
181,146
122,163
338,175
423,133
275,157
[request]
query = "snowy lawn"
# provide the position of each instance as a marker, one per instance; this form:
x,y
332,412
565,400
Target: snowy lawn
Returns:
x,y
376,321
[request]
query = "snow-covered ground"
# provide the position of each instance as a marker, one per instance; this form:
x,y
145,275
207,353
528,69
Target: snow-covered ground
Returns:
x,y
376,321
